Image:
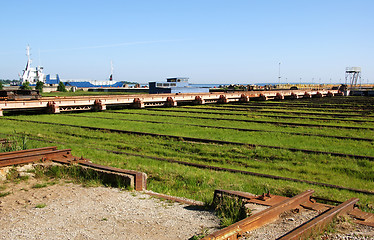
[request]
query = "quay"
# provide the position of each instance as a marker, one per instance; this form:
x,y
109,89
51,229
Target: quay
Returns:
x,y
100,103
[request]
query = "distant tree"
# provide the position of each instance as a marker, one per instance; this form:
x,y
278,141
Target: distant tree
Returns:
x,y
26,86
39,86
1,85
61,87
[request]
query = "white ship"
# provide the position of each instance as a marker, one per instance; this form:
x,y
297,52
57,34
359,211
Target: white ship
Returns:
x,y
30,74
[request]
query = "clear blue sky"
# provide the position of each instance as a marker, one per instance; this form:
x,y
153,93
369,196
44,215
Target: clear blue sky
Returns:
x,y
208,41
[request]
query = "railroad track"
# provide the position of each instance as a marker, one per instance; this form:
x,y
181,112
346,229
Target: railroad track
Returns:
x,y
64,156
278,205
291,105
199,140
359,113
263,115
33,155
222,169
248,120
229,128
286,112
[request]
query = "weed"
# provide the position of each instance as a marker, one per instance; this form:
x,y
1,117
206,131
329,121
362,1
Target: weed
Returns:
x,y
12,175
4,194
41,205
229,209
40,185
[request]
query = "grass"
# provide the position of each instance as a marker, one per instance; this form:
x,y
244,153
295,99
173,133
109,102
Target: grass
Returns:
x,y
261,138
41,205
3,194
40,185
199,184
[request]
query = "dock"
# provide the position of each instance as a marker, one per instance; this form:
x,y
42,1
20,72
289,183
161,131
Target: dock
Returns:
x,y
100,103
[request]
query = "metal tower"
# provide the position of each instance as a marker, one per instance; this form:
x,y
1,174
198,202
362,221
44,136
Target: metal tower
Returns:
x,y
352,74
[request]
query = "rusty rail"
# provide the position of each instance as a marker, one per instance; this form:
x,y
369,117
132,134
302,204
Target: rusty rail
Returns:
x,y
306,230
340,119
257,121
318,224
32,155
257,220
280,110
64,156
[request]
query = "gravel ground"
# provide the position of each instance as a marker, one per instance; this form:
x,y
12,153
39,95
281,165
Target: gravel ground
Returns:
x,y
76,212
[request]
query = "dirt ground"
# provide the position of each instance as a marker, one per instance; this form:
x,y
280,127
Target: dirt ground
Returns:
x,y
64,210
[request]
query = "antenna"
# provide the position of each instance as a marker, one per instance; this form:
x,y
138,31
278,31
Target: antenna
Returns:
x,y
279,74
111,71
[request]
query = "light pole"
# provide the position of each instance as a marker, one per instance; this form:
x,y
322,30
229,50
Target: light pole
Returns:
x,y
279,74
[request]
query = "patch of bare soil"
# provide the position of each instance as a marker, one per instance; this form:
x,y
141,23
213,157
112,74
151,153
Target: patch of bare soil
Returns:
x,y
69,211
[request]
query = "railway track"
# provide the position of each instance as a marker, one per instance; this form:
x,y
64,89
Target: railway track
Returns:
x,y
264,115
291,105
248,120
278,205
288,112
200,140
64,156
215,168
359,113
230,128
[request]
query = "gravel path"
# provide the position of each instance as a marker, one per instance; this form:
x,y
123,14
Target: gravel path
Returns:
x,y
75,212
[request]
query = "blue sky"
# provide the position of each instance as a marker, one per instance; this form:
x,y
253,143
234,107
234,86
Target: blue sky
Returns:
x,y
208,41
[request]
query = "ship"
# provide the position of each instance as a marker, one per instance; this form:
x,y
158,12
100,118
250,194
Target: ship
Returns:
x,y
33,75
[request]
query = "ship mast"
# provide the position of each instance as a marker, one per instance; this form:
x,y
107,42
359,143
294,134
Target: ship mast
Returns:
x,y
111,71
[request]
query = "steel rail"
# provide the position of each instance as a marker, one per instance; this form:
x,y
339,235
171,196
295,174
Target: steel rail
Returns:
x,y
200,140
230,128
257,220
272,116
286,106
317,224
252,121
36,155
285,112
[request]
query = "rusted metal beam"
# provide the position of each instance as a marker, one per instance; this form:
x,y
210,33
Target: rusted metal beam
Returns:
x,y
259,219
27,151
140,177
36,155
318,224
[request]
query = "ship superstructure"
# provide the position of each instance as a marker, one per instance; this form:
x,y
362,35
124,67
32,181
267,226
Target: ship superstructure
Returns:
x,y
30,74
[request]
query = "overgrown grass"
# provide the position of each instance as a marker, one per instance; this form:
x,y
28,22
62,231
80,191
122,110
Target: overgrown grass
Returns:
x,y
229,209
199,184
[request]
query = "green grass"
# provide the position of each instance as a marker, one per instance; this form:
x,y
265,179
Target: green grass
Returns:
x,y
3,194
40,185
41,205
199,184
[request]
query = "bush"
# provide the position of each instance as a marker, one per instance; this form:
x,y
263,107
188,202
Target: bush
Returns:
x,y
61,87
39,86
1,85
26,86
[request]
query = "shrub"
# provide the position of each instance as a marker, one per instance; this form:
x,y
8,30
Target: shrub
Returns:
x,y
39,86
61,87
26,86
